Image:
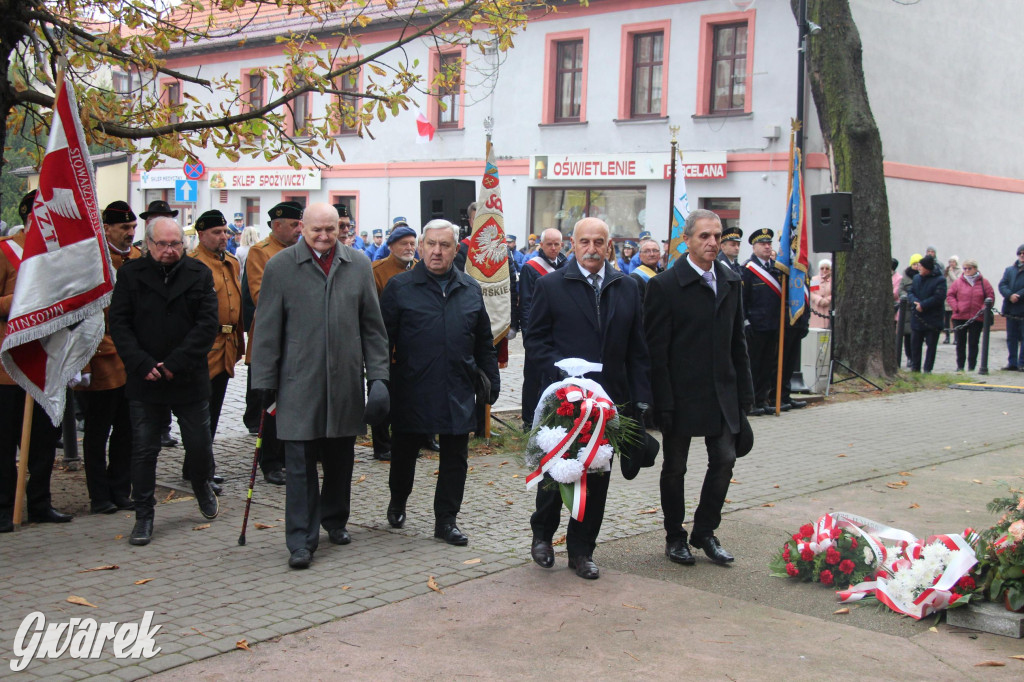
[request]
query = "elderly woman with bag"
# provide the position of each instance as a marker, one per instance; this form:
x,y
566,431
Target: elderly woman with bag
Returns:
x,y
966,301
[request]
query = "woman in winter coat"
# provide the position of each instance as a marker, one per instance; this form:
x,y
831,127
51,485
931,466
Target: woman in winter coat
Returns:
x,y
953,272
966,301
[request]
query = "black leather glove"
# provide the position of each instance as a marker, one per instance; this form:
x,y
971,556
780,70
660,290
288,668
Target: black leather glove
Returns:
x,y
665,422
268,396
378,403
493,398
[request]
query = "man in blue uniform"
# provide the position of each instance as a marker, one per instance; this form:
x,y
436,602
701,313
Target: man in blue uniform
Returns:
x,y
762,296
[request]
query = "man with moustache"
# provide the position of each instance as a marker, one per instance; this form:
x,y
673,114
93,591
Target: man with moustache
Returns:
x,y
693,319
104,405
591,311
285,229
318,330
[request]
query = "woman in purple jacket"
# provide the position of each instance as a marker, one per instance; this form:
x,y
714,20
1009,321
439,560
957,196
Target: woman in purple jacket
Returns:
x,y
966,300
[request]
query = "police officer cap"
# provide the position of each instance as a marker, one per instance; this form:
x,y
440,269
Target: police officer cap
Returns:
x,y
118,212
646,234
26,205
288,210
732,234
510,237
209,220
378,232
399,232
342,210
628,244
762,235
398,222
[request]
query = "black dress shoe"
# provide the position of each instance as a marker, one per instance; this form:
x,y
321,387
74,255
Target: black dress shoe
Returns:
x,y
103,508
339,536
300,558
217,478
784,407
382,456
755,412
275,477
167,440
543,553
217,490
123,503
677,551
142,533
451,534
209,506
796,404
50,515
433,445
396,514
713,548
584,567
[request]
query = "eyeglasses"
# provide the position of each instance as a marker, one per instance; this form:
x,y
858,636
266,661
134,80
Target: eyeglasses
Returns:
x,y
166,245
970,267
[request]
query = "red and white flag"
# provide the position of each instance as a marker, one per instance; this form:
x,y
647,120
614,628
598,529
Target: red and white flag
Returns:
x,y
424,129
487,260
64,277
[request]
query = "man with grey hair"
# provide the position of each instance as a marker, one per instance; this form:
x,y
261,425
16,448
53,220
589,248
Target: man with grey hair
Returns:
x,y
444,357
163,321
318,330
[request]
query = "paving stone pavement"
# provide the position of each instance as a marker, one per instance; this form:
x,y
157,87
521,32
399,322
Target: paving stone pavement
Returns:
x,y
208,593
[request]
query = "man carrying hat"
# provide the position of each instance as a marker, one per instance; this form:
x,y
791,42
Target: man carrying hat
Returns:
x,y
730,253
762,298
693,319
104,405
402,257
285,228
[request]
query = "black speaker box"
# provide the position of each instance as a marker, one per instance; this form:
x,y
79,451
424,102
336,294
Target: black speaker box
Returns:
x,y
446,199
832,222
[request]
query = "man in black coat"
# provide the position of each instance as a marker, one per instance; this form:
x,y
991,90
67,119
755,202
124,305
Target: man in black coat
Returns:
x,y
693,317
762,297
163,320
440,336
547,259
591,311
926,298
730,253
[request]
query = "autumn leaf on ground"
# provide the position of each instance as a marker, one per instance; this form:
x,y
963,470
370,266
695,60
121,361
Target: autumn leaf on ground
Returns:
x,y
366,444
242,644
346,587
841,612
896,485
170,495
108,567
361,479
733,480
1018,657
974,480
768,504
490,482
652,510
630,606
471,561
841,454
508,502
263,526
436,472
503,463
433,585
776,485
914,506
119,537
81,601
470,469
989,664
905,473
202,526
143,581
559,541
515,475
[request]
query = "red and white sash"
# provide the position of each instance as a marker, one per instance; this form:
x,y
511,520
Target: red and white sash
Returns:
x,y
765,277
540,265
13,251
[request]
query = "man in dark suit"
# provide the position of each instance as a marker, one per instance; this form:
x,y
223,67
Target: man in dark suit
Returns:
x,y
693,318
730,253
591,311
762,297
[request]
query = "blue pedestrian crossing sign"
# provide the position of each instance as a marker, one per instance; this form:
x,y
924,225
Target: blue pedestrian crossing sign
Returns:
x,y
186,191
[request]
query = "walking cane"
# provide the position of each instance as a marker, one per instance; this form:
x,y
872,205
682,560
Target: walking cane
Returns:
x,y
255,465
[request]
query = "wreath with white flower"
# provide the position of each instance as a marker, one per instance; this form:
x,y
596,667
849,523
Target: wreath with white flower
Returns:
x,y
577,430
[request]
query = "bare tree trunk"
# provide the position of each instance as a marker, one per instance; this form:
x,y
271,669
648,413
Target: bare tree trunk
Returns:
x,y
861,280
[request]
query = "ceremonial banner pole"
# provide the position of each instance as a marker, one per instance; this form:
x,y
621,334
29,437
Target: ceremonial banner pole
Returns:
x,y
26,440
672,180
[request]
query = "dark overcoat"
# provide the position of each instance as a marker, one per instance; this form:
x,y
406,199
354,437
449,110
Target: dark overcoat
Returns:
x,y
168,318
698,349
439,339
564,324
930,292
315,337
760,301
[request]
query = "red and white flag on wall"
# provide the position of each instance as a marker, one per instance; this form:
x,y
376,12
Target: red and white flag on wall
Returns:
x,y
64,276
424,129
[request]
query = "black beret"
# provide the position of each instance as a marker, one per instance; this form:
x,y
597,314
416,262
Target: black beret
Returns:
x,y
118,212
290,210
210,219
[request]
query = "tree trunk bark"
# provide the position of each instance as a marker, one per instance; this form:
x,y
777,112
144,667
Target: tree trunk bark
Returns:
x,y
861,280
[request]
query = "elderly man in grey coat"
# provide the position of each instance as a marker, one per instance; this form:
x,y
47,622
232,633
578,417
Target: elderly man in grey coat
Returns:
x,y
318,327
